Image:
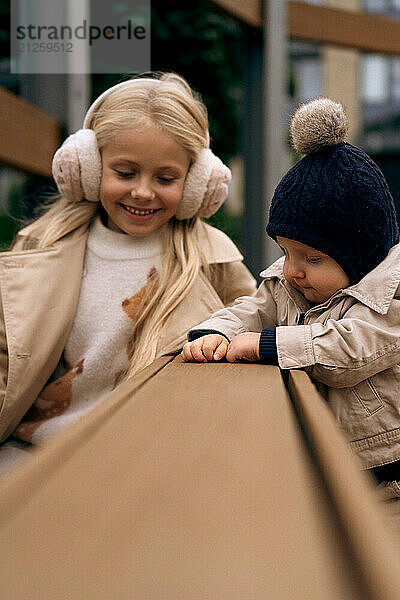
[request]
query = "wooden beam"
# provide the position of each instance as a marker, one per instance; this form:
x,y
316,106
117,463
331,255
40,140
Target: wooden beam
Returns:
x,y
361,31
28,137
210,494
324,25
249,11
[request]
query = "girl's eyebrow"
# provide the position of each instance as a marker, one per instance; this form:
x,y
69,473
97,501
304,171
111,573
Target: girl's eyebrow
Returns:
x,y
122,159
126,160
171,168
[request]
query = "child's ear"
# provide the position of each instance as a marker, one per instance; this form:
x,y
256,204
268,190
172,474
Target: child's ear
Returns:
x,y
206,187
77,167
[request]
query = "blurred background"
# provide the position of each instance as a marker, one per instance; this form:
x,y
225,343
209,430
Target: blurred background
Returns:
x,y
253,62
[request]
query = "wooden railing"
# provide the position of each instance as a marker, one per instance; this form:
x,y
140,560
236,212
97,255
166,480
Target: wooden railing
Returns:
x,y
324,25
197,481
28,136
361,31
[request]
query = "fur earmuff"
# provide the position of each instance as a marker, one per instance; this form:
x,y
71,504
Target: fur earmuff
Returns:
x,y
217,189
77,167
318,124
206,187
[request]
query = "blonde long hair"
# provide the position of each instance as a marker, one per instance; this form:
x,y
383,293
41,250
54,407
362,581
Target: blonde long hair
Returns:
x,y
168,102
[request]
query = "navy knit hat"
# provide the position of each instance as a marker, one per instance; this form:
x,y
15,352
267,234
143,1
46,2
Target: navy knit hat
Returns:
x,y
335,199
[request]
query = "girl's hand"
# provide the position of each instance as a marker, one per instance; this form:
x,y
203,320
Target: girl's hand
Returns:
x,y
206,348
244,346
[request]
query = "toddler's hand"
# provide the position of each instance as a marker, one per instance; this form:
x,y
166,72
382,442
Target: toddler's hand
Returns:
x,y
244,346
206,348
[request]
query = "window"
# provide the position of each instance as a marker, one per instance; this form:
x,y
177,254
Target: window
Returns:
x,y
376,79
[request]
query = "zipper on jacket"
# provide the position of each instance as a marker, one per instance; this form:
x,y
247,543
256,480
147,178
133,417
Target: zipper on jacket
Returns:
x,y
301,319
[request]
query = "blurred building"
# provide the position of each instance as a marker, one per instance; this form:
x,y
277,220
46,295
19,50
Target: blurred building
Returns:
x,y
367,84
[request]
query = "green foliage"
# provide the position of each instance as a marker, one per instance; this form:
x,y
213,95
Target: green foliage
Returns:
x,y
230,224
8,229
4,28
10,221
204,46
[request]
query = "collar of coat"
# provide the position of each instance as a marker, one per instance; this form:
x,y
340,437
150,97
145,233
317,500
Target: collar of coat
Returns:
x,y
216,246
376,290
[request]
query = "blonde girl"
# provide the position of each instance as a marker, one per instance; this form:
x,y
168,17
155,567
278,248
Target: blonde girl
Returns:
x,y
121,266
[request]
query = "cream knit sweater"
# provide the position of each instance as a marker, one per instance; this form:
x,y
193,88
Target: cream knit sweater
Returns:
x,y
116,271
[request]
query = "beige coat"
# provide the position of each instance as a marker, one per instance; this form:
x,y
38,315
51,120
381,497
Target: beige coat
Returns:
x,y
39,297
349,345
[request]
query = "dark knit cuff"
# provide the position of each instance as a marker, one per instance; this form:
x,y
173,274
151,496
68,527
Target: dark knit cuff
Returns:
x,y
267,348
197,333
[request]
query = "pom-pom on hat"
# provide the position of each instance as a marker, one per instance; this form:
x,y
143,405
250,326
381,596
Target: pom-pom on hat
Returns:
x,y
335,199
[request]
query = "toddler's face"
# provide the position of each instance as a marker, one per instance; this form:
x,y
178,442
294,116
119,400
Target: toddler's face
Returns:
x,y
143,174
315,274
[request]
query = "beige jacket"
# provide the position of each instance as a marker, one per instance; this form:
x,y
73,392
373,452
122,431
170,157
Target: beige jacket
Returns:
x,y
349,345
39,297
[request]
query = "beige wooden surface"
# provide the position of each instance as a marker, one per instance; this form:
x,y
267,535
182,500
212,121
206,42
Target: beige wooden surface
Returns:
x,y
249,12
192,482
345,28
340,473
28,136
325,25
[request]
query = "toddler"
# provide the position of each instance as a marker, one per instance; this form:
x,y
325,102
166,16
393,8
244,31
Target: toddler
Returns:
x,y
331,304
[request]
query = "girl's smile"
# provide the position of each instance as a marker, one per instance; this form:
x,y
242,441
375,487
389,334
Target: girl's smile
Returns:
x,y
143,175
139,214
